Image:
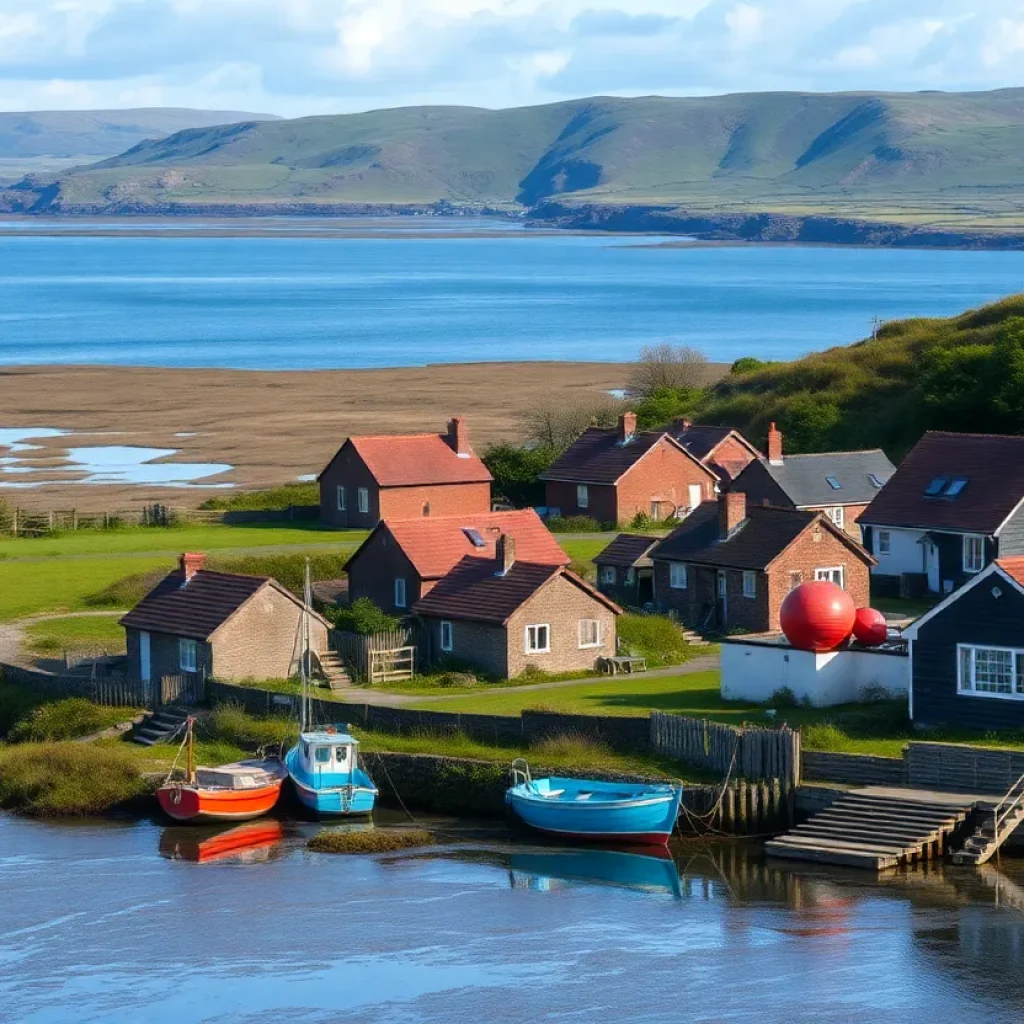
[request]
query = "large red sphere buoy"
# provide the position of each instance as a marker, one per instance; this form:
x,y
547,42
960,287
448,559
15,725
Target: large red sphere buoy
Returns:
x,y
870,627
817,616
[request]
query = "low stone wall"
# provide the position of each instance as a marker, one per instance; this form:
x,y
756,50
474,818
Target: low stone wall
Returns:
x,y
853,769
960,768
47,682
293,513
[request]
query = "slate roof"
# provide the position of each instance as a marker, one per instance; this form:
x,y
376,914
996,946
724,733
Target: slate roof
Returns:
x,y
754,544
198,608
473,590
700,440
992,465
435,544
598,457
410,460
627,550
804,478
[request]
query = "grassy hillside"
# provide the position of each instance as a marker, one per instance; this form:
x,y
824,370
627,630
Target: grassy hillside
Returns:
x,y
964,373
911,156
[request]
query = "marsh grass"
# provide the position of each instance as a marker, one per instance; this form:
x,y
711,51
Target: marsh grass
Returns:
x,y
67,719
369,840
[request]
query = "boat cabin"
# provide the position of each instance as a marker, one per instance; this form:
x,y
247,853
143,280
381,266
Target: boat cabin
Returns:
x,y
328,757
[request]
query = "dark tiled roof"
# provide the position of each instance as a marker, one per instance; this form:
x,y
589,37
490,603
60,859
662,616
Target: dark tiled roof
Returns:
x,y
699,440
992,465
804,478
195,609
473,591
759,539
598,456
626,550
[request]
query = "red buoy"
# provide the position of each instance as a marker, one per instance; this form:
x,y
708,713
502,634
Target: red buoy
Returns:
x,y
870,627
817,616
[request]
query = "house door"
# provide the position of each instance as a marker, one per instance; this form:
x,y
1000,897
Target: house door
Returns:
x,y
145,668
722,586
695,495
931,565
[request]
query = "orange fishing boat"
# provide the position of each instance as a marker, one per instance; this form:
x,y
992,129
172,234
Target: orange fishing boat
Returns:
x,y
232,792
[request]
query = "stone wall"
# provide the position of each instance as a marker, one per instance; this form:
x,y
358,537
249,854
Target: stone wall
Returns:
x,y
853,769
960,768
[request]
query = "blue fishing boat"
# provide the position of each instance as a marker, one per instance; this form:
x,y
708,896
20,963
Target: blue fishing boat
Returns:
x,y
324,764
602,812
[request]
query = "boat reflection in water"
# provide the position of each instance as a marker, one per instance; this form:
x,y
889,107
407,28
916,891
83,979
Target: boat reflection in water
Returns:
x,y
649,869
251,843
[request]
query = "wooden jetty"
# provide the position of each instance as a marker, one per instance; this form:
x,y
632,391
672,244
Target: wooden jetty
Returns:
x,y
878,827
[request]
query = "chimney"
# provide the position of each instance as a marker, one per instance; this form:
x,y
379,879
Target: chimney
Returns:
x,y
680,426
190,563
732,510
774,445
505,550
458,437
627,427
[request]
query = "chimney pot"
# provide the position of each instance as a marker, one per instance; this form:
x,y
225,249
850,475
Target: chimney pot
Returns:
x,y
627,427
505,550
774,445
190,563
458,437
732,510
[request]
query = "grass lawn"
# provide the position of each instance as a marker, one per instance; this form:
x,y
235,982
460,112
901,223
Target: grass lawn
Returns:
x,y
912,608
85,634
583,550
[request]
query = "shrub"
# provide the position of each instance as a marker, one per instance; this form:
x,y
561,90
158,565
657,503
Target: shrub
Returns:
x,y
229,723
67,720
368,840
67,778
299,493
363,616
654,637
577,524
515,471
747,364
783,697
15,703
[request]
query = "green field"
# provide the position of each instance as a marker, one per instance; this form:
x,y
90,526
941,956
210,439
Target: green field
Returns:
x,y
95,633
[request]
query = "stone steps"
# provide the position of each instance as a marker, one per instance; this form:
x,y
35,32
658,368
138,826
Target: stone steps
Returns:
x,y
160,726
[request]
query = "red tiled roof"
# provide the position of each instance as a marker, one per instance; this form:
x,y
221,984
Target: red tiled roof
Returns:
x,y
992,465
598,456
1013,566
409,460
436,544
473,590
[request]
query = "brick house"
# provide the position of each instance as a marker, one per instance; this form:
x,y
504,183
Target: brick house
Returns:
x,y
403,476
625,572
402,560
502,615
218,624
611,475
955,504
730,566
840,484
725,451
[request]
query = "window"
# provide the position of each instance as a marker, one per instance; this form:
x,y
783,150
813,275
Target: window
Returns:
x,y
875,481
974,553
990,671
833,483
630,576
884,544
399,592
833,574
323,755
837,516
341,754
582,496
474,537
363,496
538,639
590,633
608,575
187,655
749,584
446,636
341,499
677,575
956,487
795,579
936,487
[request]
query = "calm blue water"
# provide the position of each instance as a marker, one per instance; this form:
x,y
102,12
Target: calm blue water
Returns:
x,y
300,303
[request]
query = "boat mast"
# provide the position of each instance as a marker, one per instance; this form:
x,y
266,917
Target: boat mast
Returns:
x,y
191,752
307,600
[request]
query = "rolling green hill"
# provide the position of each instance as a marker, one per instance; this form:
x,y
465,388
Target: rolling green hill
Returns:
x,y
965,373
935,158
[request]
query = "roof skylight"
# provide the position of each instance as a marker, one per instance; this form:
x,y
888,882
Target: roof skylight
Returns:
x,y
474,537
956,486
936,487
833,483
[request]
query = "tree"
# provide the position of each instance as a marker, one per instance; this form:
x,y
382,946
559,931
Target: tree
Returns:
x,y
556,424
515,471
6,517
747,364
671,367
661,407
810,423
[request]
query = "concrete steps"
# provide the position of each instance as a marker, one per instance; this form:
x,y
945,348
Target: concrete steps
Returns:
x,y
694,639
160,726
334,671
984,841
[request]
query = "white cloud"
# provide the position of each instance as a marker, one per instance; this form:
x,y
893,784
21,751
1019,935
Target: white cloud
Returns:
x,y
314,56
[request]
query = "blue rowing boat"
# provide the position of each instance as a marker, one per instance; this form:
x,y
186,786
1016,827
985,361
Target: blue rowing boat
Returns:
x,y
601,812
324,767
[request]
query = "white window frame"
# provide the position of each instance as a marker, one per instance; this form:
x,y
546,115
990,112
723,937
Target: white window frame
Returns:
x,y
447,636
973,543
596,642
533,631
884,545
608,575
188,655
630,576
828,572
363,499
678,576
341,498
749,583
838,516
967,683
582,496
401,592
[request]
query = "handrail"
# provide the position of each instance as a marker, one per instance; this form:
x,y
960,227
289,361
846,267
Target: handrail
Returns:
x,y
1014,798
521,772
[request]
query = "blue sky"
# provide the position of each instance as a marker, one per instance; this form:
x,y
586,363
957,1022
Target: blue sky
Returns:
x,y
297,57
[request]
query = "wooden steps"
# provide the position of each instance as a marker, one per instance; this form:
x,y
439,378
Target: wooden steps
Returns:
x,y
986,839
874,829
159,726
334,671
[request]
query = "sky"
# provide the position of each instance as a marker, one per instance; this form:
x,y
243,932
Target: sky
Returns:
x,y
299,57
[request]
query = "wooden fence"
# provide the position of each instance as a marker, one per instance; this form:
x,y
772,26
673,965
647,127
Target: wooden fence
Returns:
x,y
121,691
751,753
377,656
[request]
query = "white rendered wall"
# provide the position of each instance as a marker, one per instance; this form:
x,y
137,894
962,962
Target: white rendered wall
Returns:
x,y
755,671
906,553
